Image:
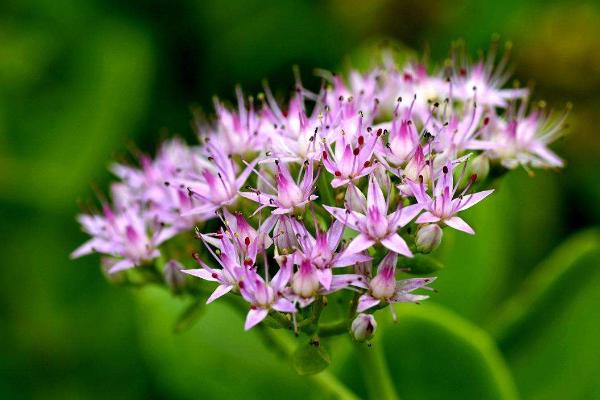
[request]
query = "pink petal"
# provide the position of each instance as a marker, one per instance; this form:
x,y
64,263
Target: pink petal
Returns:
x,y
358,244
284,305
375,196
264,199
334,235
471,199
427,218
397,245
408,298
244,175
365,302
325,277
344,280
121,265
255,315
203,273
460,224
282,277
221,290
406,214
350,219
344,261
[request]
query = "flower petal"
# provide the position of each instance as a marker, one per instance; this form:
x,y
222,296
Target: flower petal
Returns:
x,y
427,218
460,224
470,200
284,305
221,290
358,244
255,316
397,245
365,302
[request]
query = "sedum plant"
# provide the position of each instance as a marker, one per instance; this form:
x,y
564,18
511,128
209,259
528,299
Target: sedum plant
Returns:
x,y
314,214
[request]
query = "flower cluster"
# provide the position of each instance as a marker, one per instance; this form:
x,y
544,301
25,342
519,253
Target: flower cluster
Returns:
x,y
328,193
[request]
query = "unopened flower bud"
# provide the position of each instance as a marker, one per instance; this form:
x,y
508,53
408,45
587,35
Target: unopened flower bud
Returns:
x,y
174,278
480,166
429,238
363,327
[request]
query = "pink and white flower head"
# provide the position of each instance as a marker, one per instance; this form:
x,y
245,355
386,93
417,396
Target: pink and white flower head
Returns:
x,y
402,142
128,236
414,82
321,251
354,128
238,131
384,288
293,134
264,295
524,141
359,98
151,184
350,160
289,197
377,226
483,82
214,183
306,283
443,206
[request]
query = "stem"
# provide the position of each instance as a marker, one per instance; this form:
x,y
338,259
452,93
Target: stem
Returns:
x,y
377,377
284,347
333,329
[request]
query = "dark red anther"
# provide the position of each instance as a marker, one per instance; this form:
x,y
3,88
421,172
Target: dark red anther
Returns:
x,y
420,178
445,169
241,284
325,155
473,178
248,262
367,164
214,275
361,140
356,151
462,72
486,120
379,132
338,174
407,77
247,241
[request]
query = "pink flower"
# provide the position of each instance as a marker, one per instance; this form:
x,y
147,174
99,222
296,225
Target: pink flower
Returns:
x,y
264,295
385,288
321,251
483,84
289,196
128,236
376,226
524,141
237,132
216,185
442,206
350,160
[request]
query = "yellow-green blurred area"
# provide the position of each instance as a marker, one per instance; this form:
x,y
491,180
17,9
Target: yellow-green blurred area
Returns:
x,y
81,80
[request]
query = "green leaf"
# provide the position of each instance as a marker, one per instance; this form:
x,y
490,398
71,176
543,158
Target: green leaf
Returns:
x,y
433,353
420,264
561,269
547,329
310,358
214,348
189,316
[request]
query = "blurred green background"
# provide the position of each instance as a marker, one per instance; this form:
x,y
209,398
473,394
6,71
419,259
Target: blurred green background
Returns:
x,y
81,80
